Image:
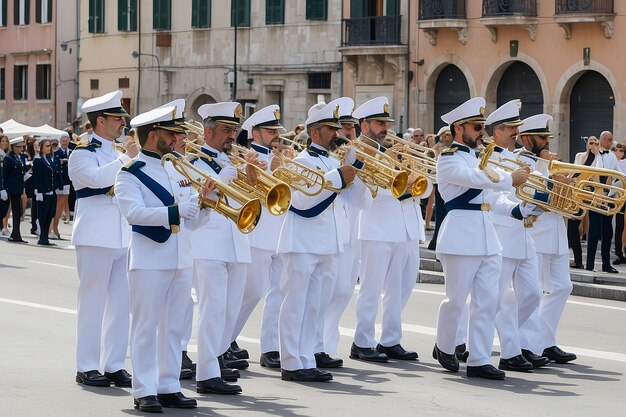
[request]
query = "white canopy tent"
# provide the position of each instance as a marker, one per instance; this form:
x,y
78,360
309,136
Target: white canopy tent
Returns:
x,y
14,129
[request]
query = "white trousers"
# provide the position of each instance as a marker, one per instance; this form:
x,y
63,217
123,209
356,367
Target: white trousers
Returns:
x,y
301,285
220,291
524,273
388,270
478,275
188,326
257,285
103,309
271,307
158,300
341,294
539,331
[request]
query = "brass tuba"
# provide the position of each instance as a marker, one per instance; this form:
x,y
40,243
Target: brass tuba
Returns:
x,y
245,217
274,194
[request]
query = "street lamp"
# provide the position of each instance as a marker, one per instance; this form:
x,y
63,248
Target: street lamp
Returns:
x,y
136,55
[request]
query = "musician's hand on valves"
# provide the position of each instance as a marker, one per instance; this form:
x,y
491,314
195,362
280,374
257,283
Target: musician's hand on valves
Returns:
x,y
519,176
132,149
350,157
348,172
563,179
227,174
208,186
189,209
276,162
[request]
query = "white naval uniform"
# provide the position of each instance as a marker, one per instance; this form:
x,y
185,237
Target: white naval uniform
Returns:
x,y
263,273
389,233
469,251
519,267
550,236
310,246
221,254
101,237
159,275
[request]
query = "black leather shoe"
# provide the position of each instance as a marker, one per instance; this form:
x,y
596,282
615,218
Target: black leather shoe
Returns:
x,y
536,360
217,386
446,360
230,361
46,244
557,355
620,260
187,363
485,371
270,359
367,354
148,404
323,360
120,378
610,270
397,352
18,240
93,379
306,375
176,400
516,363
238,352
185,373
461,352
230,375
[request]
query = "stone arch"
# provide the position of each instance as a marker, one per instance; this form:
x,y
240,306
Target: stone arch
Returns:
x,y
197,98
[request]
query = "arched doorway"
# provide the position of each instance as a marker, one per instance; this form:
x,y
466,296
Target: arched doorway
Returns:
x,y
451,90
591,109
520,81
199,101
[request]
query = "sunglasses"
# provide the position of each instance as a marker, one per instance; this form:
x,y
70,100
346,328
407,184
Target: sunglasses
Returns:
x,y
477,128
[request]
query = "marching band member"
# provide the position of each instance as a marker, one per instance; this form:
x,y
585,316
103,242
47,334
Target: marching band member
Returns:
x,y
310,242
342,287
263,273
160,205
468,246
538,333
101,239
389,234
14,167
221,254
519,259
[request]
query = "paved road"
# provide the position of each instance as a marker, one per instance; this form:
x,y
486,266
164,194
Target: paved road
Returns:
x,y
37,330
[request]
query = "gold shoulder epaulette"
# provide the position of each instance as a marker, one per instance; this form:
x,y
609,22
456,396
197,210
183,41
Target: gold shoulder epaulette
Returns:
x,y
449,151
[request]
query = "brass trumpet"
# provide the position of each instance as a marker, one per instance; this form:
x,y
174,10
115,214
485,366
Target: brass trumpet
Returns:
x,y
562,198
417,159
245,217
195,127
274,194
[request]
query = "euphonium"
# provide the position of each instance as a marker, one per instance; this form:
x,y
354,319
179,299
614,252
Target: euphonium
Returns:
x,y
274,194
245,217
561,197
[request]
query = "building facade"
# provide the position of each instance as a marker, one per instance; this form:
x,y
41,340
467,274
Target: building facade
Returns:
x,y
285,53
557,56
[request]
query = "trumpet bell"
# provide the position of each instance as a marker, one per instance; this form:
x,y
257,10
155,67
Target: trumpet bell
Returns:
x,y
278,199
247,216
419,187
399,183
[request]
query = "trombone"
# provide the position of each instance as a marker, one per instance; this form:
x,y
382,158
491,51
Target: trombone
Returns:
x,y
245,217
562,198
274,194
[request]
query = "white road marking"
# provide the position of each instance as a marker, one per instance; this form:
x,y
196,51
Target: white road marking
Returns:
x,y
35,305
49,264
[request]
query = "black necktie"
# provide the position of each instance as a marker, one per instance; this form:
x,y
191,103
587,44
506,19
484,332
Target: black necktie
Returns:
x,y
603,152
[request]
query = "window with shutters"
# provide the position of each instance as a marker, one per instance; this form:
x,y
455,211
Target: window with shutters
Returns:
x,y
94,84
201,14
316,9
127,15
3,13
240,13
43,11
20,82
2,81
96,16
42,82
123,82
162,14
319,80
274,12
21,12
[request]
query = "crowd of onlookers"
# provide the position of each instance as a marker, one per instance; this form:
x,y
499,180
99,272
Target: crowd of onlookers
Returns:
x,y
34,180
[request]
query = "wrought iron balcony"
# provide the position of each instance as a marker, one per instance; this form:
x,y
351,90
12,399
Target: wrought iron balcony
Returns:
x,y
495,8
569,12
442,9
584,6
374,30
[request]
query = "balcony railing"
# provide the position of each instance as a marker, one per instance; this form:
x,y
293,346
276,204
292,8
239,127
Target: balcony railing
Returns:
x,y
442,9
496,8
374,30
584,6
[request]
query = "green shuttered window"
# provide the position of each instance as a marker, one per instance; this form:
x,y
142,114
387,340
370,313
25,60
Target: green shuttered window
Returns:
x,y
240,13
274,12
127,15
162,15
96,16
316,9
201,13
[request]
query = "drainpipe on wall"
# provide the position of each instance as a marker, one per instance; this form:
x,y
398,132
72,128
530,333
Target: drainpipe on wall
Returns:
x,y
139,57
340,54
406,68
